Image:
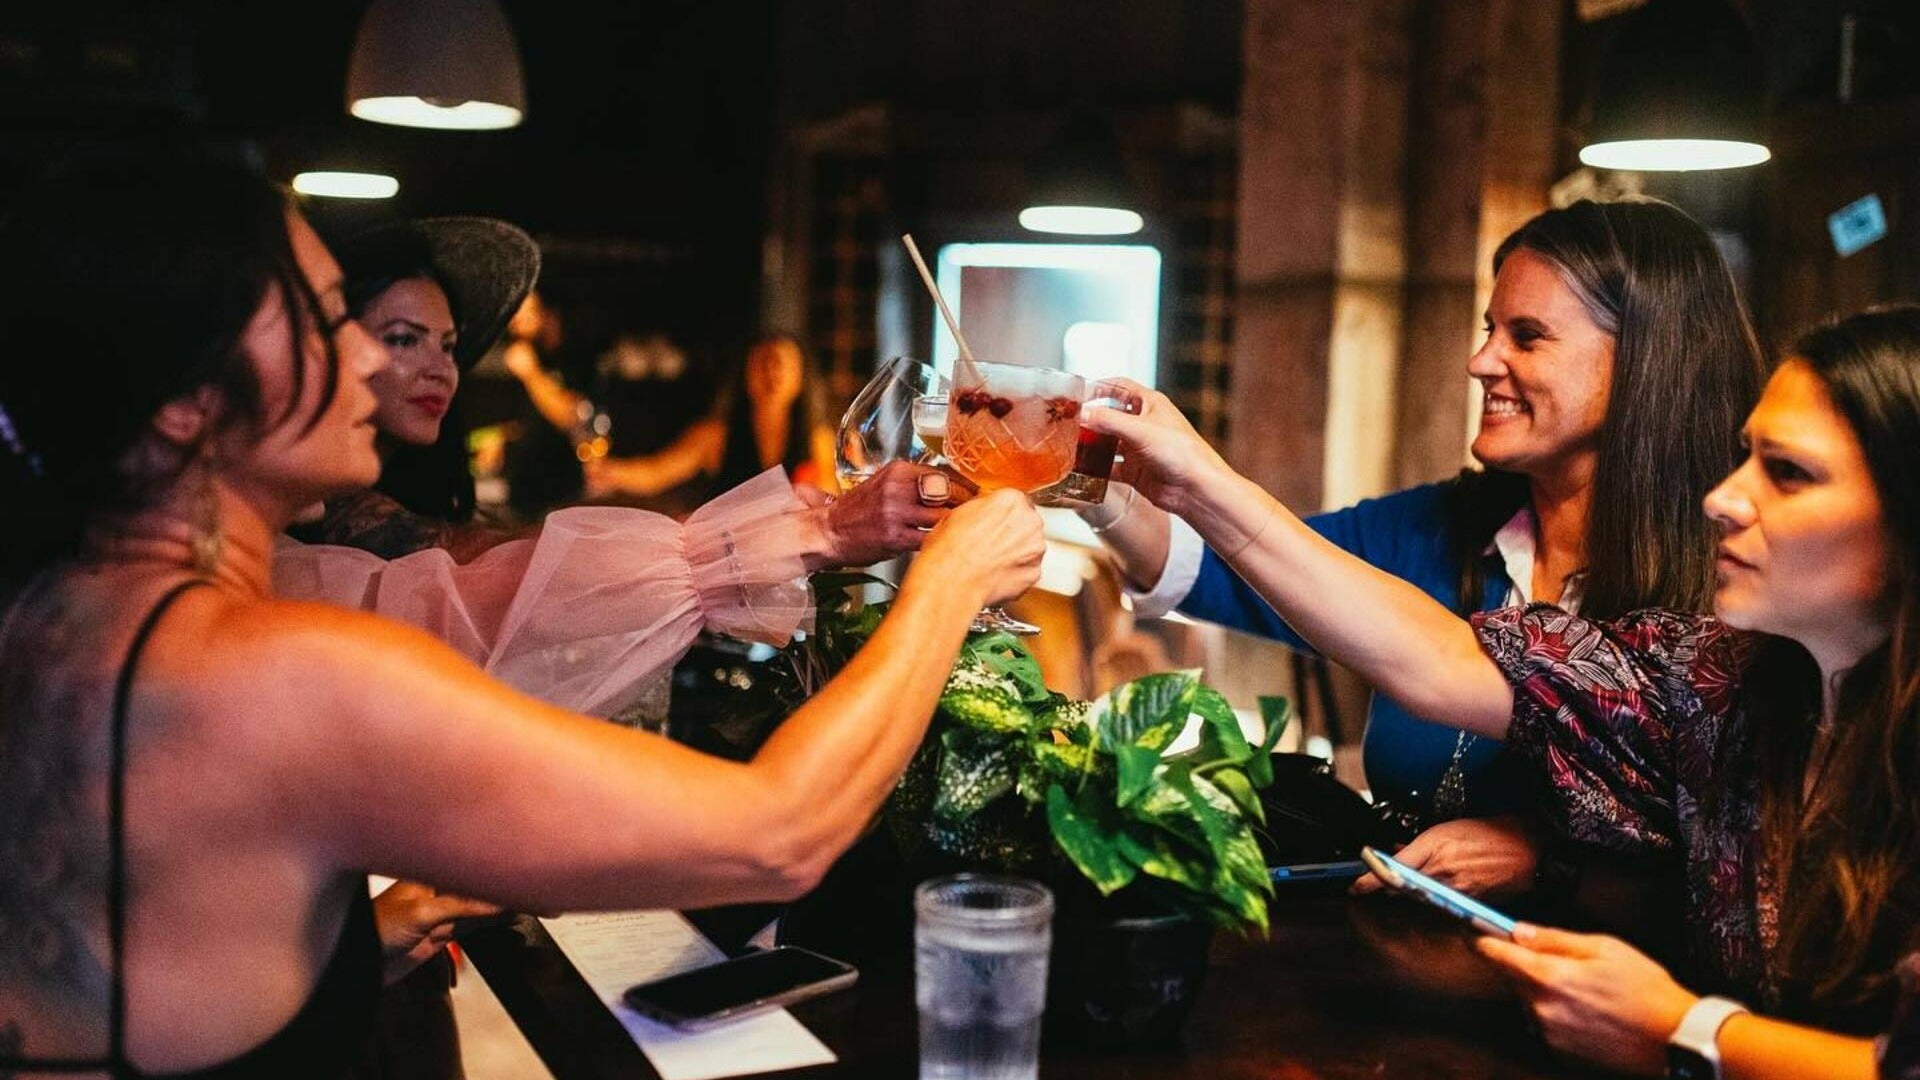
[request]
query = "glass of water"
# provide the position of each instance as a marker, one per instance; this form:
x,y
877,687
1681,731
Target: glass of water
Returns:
x,y
980,975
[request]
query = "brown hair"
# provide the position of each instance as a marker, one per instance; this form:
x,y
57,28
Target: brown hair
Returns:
x,y
1686,371
124,285
1851,844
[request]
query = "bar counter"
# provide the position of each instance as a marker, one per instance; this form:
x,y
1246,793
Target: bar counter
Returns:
x,y
1341,989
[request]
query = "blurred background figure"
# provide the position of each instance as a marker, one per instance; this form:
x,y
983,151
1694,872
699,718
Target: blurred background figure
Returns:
x,y
768,414
542,459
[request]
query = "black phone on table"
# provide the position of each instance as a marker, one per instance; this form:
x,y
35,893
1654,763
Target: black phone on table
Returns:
x,y
1406,879
740,987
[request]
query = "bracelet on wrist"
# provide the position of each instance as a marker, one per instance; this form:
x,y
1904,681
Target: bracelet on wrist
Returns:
x,y
1108,520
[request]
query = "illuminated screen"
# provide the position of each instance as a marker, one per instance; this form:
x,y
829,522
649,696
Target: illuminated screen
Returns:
x,y
1092,309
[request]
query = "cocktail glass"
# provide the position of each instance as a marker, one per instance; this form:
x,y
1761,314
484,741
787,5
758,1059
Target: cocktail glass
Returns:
x,y
1012,426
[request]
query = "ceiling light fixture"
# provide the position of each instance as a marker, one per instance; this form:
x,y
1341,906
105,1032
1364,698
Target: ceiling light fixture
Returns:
x,y
337,184
1080,186
1681,90
449,64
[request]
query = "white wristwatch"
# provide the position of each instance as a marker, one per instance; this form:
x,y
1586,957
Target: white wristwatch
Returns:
x,y
1693,1050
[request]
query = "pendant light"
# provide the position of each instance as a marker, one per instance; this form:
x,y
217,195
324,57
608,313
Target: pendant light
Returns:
x,y
1080,184
346,184
436,64
1681,90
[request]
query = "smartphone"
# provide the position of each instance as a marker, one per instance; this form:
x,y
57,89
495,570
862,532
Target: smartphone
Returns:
x,y
1345,870
1452,901
731,989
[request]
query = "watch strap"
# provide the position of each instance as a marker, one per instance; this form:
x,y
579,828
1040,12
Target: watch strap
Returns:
x,y
1699,1031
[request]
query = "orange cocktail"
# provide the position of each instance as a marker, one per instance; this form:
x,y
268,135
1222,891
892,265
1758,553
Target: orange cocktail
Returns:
x,y
1012,426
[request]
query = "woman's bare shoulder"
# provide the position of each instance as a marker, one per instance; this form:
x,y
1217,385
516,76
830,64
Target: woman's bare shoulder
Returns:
x,y
317,657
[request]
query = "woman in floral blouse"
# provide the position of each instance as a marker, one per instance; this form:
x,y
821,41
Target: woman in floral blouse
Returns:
x,y
1772,749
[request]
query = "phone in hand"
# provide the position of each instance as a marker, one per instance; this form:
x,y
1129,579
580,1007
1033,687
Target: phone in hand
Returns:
x,y
1406,879
740,987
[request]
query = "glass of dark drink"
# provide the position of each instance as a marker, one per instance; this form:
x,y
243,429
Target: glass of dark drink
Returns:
x,y
1086,482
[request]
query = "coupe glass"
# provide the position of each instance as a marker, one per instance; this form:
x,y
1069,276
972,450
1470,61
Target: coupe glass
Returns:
x,y
878,426
1012,426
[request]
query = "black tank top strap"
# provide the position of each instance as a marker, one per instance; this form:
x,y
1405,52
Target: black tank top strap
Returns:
x,y
118,1064
320,1040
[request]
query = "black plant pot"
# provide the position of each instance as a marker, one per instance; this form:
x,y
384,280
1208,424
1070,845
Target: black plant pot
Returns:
x,y
1124,973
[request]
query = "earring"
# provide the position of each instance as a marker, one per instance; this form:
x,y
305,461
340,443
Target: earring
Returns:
x,y
206,520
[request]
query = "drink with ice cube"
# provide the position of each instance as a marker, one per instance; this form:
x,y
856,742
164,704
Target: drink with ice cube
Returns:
x,y
980,976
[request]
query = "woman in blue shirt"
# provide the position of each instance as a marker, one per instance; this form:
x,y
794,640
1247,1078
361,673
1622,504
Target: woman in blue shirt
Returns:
x,y
1613,327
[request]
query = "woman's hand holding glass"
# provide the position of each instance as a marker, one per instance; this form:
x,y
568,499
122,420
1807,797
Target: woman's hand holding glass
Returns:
x,y
992,544
1163,457
884,516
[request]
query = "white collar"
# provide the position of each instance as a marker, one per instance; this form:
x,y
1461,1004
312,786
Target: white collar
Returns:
x,y
1514,543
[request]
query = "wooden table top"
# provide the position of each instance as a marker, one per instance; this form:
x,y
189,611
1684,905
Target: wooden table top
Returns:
x,y
1341,989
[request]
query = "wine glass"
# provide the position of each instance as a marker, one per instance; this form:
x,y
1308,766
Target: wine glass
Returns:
x,y
878,426
1012,426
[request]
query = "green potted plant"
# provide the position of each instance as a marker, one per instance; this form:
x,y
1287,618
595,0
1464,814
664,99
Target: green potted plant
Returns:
x,y
1148,853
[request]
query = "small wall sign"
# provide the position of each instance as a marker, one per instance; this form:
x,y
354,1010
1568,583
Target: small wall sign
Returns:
x,y
1857,224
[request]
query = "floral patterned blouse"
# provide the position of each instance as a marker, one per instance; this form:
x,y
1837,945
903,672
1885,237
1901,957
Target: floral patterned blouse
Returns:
x,y
1634,722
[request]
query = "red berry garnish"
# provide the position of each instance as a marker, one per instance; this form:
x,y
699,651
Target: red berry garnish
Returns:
x,y
1062,408
970,401
999,407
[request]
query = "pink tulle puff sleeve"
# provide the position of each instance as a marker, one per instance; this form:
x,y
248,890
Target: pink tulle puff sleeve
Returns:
x,y
603,599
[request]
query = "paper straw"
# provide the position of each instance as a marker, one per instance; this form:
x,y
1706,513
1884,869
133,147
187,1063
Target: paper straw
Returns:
x,y
946,313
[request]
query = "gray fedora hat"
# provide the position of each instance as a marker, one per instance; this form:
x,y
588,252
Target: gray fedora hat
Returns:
x,y
486,266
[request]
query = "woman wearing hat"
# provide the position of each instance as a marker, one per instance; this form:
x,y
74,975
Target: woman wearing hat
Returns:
x,y
436,293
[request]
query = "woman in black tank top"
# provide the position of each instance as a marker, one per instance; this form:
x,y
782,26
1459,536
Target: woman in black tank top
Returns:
x,y
195,780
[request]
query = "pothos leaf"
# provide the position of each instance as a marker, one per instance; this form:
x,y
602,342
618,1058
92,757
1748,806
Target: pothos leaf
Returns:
x,y
1156,855
1238,852
1220,736
1275,712
1148,711
1135,766
1086,832
1238,788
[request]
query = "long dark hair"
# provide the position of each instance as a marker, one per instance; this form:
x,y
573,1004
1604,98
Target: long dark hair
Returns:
x,y
1852,844
1686,371
435,480
740,461
124,287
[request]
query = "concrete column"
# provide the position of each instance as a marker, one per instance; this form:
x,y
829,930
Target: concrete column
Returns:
x,y
1448,156
1381,141
1293,136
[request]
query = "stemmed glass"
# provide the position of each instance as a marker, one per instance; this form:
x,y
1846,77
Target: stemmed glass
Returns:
x,y
1012,426
879,425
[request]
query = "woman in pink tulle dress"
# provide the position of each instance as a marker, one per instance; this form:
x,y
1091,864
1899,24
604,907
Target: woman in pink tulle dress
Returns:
x,y
585,611
588,612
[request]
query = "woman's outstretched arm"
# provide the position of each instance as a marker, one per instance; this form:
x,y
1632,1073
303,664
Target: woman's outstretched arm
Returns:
x,y
1395,636
409,761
